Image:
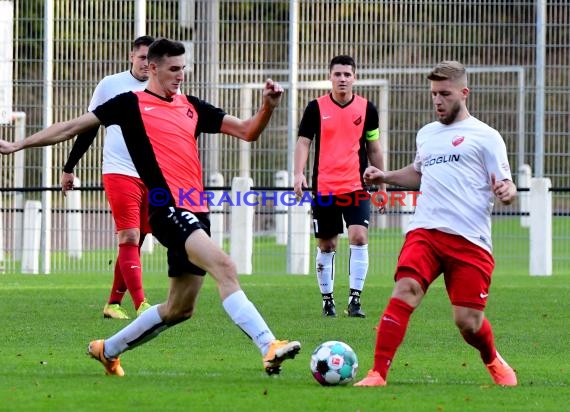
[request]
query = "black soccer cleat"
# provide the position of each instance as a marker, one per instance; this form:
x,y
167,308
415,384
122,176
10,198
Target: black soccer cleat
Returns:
x,y
353,310
329,309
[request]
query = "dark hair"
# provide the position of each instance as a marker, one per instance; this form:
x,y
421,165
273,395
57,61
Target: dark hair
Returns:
x,y
142,41
164,47
343,59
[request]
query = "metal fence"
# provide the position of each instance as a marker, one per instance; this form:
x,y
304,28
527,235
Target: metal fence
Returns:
x,y
57,51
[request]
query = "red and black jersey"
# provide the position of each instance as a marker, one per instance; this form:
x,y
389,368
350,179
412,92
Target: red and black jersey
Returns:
x,y
339,133
160,134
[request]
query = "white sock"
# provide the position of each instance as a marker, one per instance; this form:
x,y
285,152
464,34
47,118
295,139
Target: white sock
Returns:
x,y
144,328
325,271
358,266
245,315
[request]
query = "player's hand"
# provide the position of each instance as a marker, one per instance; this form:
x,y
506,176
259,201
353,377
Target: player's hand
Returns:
x,y
7,147
380,199
504,190
66,182
381,206
373,176
272,93
299,184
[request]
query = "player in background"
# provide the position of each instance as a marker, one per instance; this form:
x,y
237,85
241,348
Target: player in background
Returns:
x,y
126,193
461,165
160,127
345,129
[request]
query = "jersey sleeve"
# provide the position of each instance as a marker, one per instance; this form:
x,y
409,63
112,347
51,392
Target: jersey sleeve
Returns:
x,y
372,123
417,163
310,122
210,117
100,94
80,146
113,110
496,159
85,139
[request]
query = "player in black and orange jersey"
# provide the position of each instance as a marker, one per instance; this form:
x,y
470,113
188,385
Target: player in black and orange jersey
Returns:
x,y
345,129
160,127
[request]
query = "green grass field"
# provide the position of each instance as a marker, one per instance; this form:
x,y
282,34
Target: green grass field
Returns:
x,y
207,364
511,251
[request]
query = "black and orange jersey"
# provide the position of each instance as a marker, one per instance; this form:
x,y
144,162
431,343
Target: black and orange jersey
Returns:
x,y
160,134
340,134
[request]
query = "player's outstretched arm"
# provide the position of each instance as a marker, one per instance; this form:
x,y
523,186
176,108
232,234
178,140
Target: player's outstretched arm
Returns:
x,y
57,132
250,129
406,177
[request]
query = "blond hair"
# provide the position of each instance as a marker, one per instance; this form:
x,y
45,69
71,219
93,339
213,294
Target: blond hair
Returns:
x,y
448,70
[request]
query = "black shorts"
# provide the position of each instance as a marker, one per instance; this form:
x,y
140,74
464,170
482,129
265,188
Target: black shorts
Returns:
x,y
329,211
172,226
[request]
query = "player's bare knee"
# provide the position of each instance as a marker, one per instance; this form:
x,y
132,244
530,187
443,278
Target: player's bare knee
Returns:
x,y
130,236
359,236
327,245
226,267
468,322
359,240
408,290
408,286
465,326
225,273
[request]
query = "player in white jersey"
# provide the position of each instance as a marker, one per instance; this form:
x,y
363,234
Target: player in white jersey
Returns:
x,y
127,195
460,166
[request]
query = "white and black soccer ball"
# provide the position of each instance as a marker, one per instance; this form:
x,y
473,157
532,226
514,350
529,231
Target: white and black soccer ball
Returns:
x,y
334,363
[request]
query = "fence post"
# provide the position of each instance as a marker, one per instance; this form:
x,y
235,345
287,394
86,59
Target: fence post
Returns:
x,y
299,244
241,237
407,209
2,254
217,210
540,227
74,229
281,218
525,174
32,237
148,244
19,172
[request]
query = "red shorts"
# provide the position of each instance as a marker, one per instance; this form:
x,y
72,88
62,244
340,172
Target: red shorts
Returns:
x,y
128,199
466,267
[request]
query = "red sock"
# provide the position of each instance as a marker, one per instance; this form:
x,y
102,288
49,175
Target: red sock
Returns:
x,y
119,288
391,331
483,341
130,261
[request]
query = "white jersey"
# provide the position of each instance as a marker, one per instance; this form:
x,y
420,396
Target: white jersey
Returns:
x,y
116,158
456,162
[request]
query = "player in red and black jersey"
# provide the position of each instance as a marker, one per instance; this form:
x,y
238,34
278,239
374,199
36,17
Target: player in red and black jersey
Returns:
x,y
160,127
345,130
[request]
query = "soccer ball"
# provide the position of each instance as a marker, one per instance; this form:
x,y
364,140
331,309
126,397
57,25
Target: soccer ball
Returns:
x,y
334,363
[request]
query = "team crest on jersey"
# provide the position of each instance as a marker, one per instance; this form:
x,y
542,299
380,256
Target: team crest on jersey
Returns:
x,y
357,120
457,140
190,113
